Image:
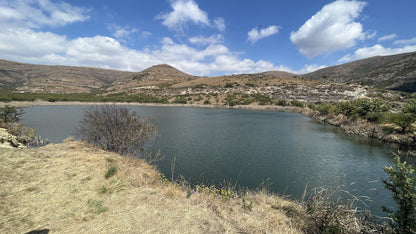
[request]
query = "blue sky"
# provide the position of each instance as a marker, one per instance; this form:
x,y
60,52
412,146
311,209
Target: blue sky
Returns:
x,y
213,37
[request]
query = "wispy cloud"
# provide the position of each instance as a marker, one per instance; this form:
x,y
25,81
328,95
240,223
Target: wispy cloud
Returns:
x,y
219,23
254,35
387,37
332,28
405,42
214,39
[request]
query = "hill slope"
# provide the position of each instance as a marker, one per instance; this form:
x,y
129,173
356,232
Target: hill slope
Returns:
x,y
55,79
161,75
396,72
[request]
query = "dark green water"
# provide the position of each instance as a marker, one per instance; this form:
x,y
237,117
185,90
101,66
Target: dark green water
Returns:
x,y
247,148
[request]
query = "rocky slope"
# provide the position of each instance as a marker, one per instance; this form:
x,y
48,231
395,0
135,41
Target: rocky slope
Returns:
x,y
395,72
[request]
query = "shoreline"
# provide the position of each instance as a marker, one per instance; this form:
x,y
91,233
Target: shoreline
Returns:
x,y
22,104
357,127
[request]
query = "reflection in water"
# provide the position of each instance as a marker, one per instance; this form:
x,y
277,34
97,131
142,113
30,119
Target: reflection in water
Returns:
x,y
246,147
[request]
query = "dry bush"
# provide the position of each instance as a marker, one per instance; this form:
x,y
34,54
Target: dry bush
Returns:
x,y
335,210
115,128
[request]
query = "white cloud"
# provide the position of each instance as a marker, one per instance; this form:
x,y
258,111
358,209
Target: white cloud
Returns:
x,y
310,68
405,42
39,13
387,37
184,11
254,35
376,50
220,23
214,39
22,39
331,29
106,52
25,43
122,32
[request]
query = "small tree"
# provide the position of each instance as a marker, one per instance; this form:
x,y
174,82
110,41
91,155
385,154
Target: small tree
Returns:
x,y
10,114
401,119
402,182
116,129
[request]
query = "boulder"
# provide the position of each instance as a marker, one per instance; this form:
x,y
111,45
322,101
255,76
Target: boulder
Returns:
x,y
9,141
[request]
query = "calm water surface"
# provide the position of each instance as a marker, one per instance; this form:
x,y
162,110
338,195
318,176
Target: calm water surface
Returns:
x,y
247,148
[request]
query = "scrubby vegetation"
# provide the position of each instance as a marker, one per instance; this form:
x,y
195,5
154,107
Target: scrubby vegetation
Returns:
x,y
401,181
82,97
374,110
246,99
10,114
10,117
115,128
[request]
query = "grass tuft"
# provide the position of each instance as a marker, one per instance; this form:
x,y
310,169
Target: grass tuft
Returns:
x,y
111,171
96,206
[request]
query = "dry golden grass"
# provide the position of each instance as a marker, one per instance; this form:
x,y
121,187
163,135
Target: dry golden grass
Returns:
x,y
62,187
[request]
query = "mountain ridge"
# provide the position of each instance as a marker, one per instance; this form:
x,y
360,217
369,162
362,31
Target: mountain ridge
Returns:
x,y
394,72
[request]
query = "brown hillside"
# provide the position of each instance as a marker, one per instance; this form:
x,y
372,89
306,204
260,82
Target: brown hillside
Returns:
x,y
395,72
24,77
154,77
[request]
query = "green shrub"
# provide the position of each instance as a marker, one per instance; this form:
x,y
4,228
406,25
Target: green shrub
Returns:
x,y
402,182
363,108
326,108
261,99
206,102
181,100
401,119
297,103
410,106
281,102
229,85
10,114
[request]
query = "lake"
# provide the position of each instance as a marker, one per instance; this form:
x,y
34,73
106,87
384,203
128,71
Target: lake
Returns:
x,y
246,148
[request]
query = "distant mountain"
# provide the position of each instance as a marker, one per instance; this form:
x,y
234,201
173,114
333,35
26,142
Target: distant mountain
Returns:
x,y
395,72
24,77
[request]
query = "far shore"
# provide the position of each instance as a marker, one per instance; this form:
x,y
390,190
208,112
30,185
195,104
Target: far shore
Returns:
x,y
22,104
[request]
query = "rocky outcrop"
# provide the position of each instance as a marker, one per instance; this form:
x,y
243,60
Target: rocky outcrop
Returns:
x,y
9,141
